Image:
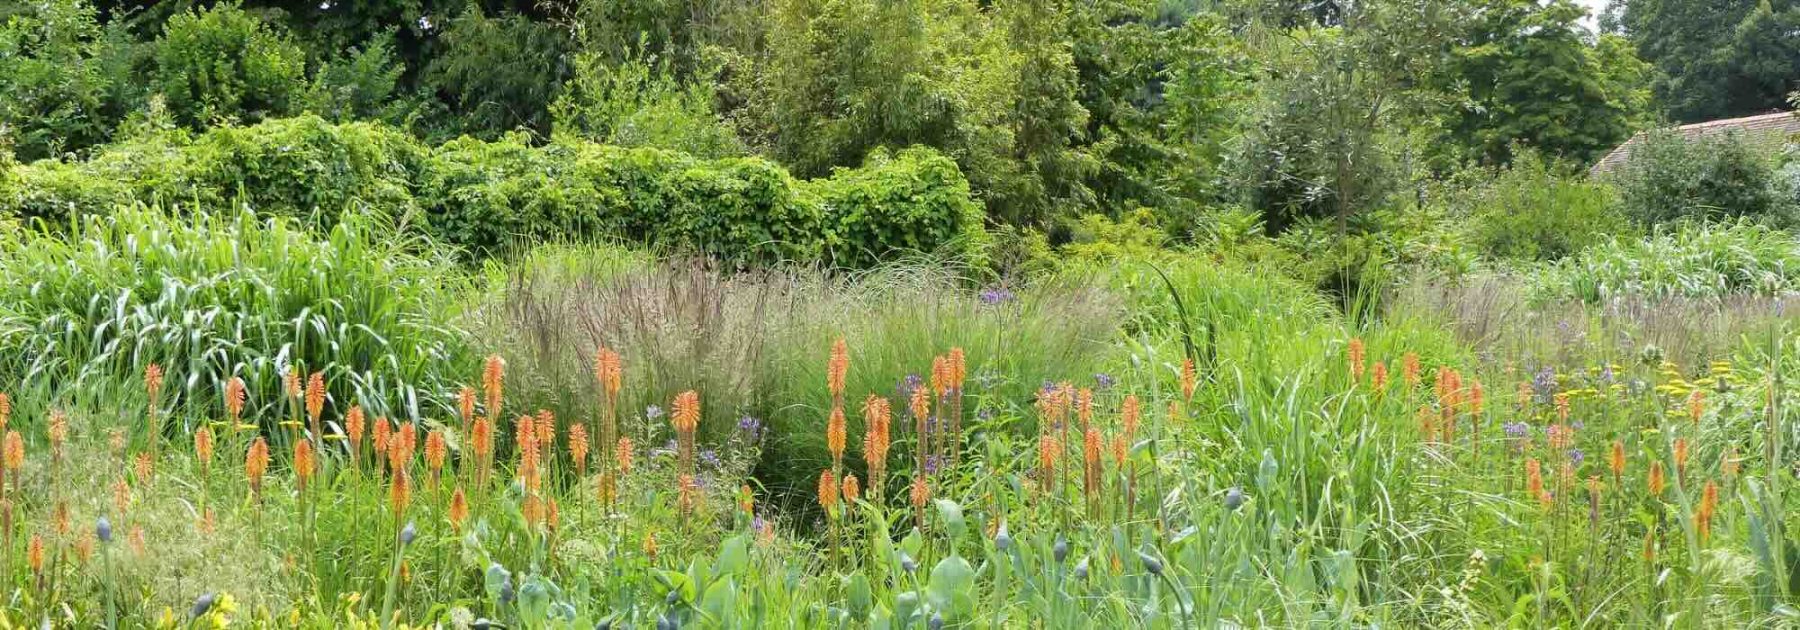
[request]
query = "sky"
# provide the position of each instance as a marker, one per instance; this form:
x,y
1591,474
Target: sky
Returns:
x,y
1595,8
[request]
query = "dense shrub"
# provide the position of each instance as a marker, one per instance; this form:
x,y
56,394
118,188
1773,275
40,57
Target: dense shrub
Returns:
x,y
54,83
214,296
292,166
1533,210
225,63
1670,177
483,196
915,200
1693,261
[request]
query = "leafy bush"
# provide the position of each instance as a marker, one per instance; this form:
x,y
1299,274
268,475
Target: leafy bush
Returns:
x,y
291,166
1670,177
225,63
499,73
54,86
210,297
914,200
639,103
1534,210
1693,261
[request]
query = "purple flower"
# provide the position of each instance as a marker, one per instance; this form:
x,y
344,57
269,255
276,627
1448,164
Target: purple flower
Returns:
x,y
931,465
1576,456
667,450
710,458
1544,384
750,425
985,413
756,523
1515,429
653,412
1103,381
1578,425
995,295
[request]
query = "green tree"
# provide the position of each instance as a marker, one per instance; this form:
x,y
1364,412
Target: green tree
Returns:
x,y
499,73
61,82
1716,58
224,63
1532,78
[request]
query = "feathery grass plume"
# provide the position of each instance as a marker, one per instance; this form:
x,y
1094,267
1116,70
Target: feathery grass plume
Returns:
x,y
1655,482
1709,503
1190,379
1681,455
1696,404
1378,377
836,368
1615,460
435,452
1534,481
578,447
835,436
622,454
852,488
493,382
256,462
459,509
234,402
828,493
1409,369
353,429
315,404
303,462
1356,359
877,416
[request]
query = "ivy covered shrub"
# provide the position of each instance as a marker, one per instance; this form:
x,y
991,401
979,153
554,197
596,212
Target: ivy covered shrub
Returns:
x,y
483,196
913,200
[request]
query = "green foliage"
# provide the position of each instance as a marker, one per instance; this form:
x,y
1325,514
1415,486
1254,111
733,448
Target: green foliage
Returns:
x,y
55,86
1670,177
1692,261
1533,210
299,166
362,83
1716,58
1534,79
210,297
498,73
225,64
914,200
1096,238
639,103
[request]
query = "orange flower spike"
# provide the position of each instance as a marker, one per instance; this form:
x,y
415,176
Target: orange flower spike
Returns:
x,y
1129,415
1084,406
1709,504
435,450
400,493
1696,405
34,553
1534,477
1562,406
1523,394
5,410
546,428
609,371
493,384
203,447
481,438
525,433
828,492
876,418
1378,376
121,496
623,454
958,368
835,434
1356,359
852,488
465,405
290,383
940,375
59,429
146,468
578,446
256,462
650,545
303,462
1120,450
1615,459
920,491
920,405
315,396
1477,399
15,450
382,432
1681,455
1655,482
837,368
234,401
353,428
1190,379
1409,369
686,415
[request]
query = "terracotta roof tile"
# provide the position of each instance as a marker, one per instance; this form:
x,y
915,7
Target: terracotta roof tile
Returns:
x,y
1782,123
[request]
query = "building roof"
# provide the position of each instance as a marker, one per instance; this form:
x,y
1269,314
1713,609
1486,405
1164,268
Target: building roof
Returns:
x,y
1781,124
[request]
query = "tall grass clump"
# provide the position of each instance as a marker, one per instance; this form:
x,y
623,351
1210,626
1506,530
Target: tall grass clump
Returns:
x,y
211,296
1692,260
